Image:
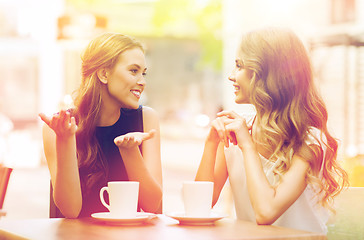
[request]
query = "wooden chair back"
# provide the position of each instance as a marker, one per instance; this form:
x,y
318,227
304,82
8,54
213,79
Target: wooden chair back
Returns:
x,y
5,173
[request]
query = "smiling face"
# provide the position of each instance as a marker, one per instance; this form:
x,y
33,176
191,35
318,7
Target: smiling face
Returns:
x,y
125,82
241,78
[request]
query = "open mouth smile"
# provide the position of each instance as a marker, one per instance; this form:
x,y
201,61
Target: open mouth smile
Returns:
x,y
136,93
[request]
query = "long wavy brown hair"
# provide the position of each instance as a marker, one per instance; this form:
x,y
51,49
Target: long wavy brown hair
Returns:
x,y
102,52
288,105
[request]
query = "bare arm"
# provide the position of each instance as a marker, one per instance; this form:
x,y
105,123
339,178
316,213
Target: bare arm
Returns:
x,y
146,168
213,165
59,143
269,202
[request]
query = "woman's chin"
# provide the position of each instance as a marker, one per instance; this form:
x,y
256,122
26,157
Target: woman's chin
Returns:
x,y
238,100
131,105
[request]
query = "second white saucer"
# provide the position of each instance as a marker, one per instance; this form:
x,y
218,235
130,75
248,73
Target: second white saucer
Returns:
x,y
187,220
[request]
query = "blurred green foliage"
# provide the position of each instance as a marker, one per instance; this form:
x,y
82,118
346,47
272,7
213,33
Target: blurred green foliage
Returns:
x,y
200,19
189,19
347,223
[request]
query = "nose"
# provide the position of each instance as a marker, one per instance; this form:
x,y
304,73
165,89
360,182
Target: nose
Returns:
x,y
231,77
141,81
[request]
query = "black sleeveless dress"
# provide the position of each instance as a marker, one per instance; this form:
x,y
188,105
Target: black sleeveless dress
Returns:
x,y
131,120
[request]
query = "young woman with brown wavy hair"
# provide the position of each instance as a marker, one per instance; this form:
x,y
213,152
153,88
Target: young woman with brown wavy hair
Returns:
x,y
103,138
282,164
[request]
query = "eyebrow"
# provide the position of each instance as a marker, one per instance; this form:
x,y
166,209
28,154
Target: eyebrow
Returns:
x,y
137,66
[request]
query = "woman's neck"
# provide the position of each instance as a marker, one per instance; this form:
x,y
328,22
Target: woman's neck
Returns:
x,y
108,116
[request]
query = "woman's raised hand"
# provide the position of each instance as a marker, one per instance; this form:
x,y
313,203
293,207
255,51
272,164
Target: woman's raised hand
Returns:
x,y
218,132
235,129
133,139
62,123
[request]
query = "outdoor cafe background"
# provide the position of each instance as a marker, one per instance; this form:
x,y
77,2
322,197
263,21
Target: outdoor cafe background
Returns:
x,y
190,52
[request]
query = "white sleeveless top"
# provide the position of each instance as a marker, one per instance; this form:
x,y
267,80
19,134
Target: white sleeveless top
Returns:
x,y
304,213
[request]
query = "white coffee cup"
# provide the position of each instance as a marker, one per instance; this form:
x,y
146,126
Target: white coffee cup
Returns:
x,y
197,198
123,198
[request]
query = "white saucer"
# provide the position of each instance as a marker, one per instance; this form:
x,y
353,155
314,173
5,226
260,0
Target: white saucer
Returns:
x,y
140,218
186,220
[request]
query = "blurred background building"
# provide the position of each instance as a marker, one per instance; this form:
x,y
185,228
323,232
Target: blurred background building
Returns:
x,y
190,52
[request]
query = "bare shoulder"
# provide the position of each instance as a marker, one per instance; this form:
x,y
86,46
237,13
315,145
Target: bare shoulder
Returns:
x,y
150,118
149,112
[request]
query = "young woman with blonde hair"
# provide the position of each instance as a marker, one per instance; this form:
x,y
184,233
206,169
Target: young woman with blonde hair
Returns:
x,y
107,136
282,163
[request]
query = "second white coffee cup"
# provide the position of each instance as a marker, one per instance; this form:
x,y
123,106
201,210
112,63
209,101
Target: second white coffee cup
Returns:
x,y
123,198
197,198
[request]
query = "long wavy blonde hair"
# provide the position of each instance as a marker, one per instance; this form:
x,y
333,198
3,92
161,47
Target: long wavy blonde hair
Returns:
x,y
102,52
288,105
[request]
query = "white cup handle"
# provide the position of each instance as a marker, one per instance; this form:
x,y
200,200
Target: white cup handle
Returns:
x,y
102,197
